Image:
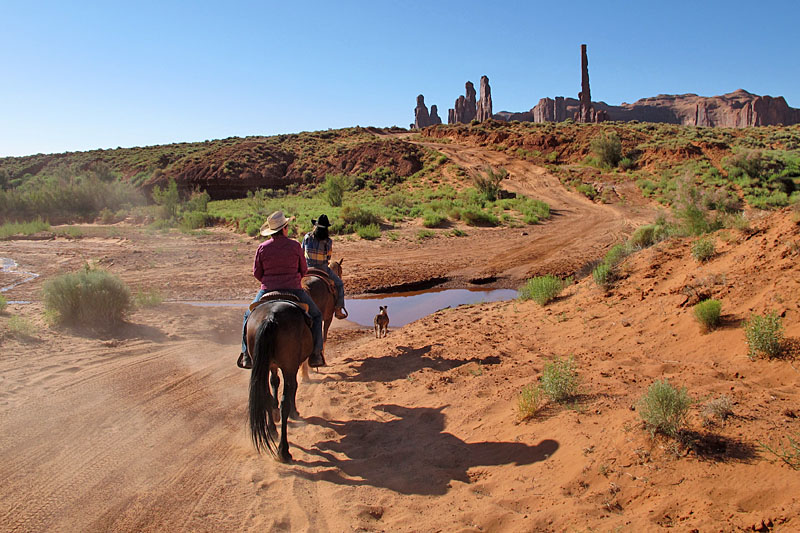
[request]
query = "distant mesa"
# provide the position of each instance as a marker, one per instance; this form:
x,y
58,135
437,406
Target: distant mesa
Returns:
x,y
738,109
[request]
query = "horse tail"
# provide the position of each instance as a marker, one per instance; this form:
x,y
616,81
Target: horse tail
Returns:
x,y
261,400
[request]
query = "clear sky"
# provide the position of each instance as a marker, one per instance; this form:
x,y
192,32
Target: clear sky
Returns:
x,y
83,75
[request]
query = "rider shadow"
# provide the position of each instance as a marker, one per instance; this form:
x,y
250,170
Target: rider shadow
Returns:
x,y
410,454
407,361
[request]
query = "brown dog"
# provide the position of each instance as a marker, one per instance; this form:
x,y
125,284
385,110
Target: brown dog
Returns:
x,y
381,322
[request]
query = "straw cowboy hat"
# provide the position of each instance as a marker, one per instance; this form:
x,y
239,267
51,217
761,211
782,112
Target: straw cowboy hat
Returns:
x,y
275,222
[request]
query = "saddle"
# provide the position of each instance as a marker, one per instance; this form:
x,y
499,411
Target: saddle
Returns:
x,y
321,274
283,297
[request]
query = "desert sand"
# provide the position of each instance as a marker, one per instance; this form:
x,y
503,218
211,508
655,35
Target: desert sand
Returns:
x,y
144,428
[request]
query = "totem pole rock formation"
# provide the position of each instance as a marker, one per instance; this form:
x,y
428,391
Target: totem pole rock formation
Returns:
x,y
586,111
484,111
465,107
435,116
421,117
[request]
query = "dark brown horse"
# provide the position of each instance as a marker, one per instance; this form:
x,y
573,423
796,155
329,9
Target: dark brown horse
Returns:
x,y
278,337
324,296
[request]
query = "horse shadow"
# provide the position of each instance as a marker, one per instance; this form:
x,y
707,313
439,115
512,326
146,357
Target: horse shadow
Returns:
x,y
409,453
406,361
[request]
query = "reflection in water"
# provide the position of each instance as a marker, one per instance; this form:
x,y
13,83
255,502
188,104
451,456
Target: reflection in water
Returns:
x,y
404,308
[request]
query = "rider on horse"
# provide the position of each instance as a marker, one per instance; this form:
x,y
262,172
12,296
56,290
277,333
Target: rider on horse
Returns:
x,y
318,248
280,265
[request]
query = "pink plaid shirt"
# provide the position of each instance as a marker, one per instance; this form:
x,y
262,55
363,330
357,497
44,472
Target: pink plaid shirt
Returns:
x,y
279,263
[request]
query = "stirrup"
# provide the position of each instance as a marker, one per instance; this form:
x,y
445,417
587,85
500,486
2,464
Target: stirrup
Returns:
x,y
341,313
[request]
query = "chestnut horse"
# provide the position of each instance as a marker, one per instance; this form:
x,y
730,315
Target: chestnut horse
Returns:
x,y
278,337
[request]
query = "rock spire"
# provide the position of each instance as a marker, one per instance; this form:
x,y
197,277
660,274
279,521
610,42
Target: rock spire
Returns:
x,y
465,107
484,110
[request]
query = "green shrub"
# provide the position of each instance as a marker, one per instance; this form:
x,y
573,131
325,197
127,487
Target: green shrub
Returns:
x,y
542,289
369,232
560,379
664,408
707,313
425,234
107,216
586,190
3,303
488,182
764,335
90,297
608,149
21,326
603,275
334,188
168,199
643,237
529,401
194,220
703,249
615,255
353,216
432,219
9,229
475,216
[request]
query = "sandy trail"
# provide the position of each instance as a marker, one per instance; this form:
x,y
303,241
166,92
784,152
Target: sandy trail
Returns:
x,y
145,429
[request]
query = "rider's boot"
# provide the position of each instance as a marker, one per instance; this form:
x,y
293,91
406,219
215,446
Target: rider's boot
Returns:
x,y
316,359
244,361
340,313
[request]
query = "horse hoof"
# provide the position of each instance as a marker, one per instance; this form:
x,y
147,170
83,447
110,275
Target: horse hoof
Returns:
x,y
285,457
295,415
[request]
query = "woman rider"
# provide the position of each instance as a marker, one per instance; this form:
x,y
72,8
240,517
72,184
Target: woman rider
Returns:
x,y
280,265
318,247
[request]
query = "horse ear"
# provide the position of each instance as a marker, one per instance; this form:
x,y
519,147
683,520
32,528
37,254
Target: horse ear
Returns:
x,y
341,260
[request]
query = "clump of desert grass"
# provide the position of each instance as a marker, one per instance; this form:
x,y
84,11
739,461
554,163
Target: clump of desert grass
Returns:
x,y
707,313
90,297
764,335
543,289
664,408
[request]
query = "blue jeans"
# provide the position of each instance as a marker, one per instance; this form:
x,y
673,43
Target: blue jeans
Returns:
x,y
313,310
339,285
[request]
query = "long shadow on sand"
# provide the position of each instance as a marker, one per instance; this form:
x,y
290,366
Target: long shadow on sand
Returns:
x,y
407,361
409,453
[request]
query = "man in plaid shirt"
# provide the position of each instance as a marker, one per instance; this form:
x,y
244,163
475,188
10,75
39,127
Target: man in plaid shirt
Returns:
x,y
318,248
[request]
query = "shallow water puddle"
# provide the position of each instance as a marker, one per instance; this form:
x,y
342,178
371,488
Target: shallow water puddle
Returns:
x,y
8,265
404,308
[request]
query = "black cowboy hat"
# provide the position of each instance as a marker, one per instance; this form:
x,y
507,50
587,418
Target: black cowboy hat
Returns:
x,y
321,221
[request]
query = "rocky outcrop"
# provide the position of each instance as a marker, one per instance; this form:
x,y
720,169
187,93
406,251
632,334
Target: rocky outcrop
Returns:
x,y
465,107
435,116
738,109
484,108
421,117
549,110
586,111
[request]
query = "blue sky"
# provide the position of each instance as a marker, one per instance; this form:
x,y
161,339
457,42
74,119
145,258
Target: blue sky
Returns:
x,y
85,75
